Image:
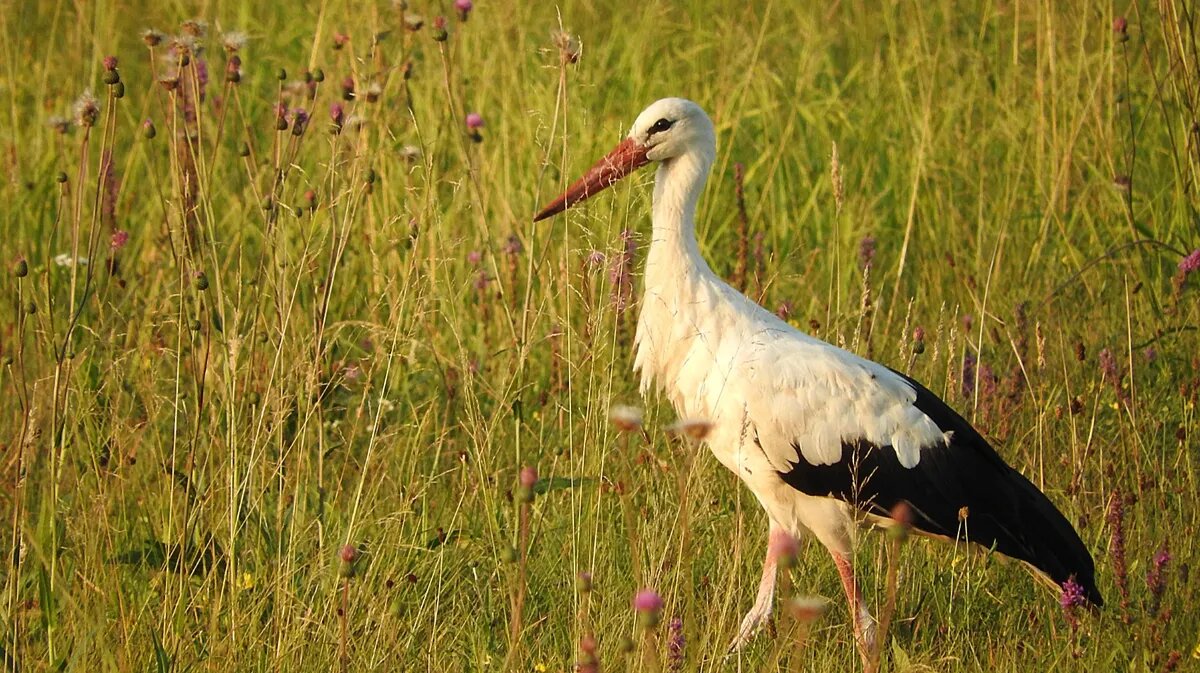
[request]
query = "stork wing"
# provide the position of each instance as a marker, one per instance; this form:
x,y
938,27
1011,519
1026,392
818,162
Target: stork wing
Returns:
x,y
836,425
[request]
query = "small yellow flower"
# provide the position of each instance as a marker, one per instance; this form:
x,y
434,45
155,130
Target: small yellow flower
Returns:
x,y
247,582
540,667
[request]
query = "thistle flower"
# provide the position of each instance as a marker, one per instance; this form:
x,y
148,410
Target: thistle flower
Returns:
x,y
348,88
474,121
340,40
474,257
528,476
583,582
463,7
87,109
439,29
299,121
348,557
648,605
337,113
513,245
1120,27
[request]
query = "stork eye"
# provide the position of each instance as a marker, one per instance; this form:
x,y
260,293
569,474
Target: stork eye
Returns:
x,y
660,126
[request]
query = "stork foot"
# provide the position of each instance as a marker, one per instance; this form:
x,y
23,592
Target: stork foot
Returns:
x,y
754,620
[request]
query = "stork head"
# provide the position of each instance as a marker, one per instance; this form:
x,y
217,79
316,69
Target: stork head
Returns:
x,y
667,129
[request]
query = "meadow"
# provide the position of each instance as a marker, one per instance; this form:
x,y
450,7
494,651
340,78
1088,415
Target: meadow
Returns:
x,y
292,382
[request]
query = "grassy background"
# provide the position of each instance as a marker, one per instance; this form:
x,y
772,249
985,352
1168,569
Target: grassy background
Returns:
x,y
194,424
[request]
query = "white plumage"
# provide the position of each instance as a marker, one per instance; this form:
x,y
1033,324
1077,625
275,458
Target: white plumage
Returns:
x,y
794,417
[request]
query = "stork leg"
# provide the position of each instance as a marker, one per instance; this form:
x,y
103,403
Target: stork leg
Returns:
x,y
778,540
864,623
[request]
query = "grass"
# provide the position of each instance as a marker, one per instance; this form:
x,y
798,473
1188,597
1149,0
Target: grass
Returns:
x,y
197,422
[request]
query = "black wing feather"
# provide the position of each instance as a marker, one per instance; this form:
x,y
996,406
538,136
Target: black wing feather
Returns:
x,y
1003,509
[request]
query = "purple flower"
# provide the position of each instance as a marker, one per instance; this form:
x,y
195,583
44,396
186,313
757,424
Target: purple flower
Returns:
x,y
463,7
1155,579
110,63
528,476
1191,263
968,374
866,251
1072,595
1115,518
675,644
513,245
119,238
647,600
595,259
1108,365
474,257
474,121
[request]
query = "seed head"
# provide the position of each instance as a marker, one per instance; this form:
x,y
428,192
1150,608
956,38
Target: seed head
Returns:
x,y
567,45
807,609
152,37
61,125
695,429
413,22
87,110
195,27
234,41
626,418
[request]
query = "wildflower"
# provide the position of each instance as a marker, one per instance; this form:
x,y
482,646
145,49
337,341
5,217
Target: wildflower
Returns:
x,y
474,257
22,268
583,582
595,259
1108,365
299,121
648,604
902,516
439,29
61,125
588,661
348,88
807,609
340,40
234,41
968,322
526,480
784,310
626,418
1150,354
337,113
513,245
233,69
463,7
567,44
110,65
918,336
675,644
119,238
1155,577
152,37
195,27
413,22
374,91
65,259
1120,27
1071,600
348,556
87,110
866,251
693,428
1115,518
410,153
968,374
1190,264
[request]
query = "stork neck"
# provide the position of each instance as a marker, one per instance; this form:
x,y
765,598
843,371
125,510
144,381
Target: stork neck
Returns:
x,y
677,187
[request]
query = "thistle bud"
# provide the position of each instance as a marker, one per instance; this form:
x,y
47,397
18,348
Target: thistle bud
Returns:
x,y
439,29
22,268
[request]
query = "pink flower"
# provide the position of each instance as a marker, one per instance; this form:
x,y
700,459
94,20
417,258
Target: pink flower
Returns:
x,y
110,63
463,7
119,238
528,476
474,121
1191,263
647,600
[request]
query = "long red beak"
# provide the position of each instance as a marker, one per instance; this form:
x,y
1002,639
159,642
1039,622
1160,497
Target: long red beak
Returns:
x,y
625,158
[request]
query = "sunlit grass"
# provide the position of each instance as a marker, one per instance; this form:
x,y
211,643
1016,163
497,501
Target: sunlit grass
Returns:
x,y
294,334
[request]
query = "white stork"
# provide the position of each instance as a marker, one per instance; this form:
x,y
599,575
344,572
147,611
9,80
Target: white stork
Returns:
x,y
821,436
